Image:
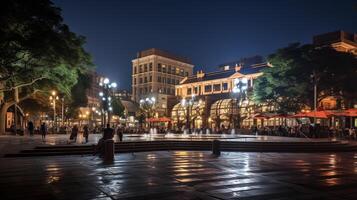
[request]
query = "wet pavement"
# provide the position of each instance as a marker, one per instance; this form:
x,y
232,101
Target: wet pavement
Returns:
x,y
182,175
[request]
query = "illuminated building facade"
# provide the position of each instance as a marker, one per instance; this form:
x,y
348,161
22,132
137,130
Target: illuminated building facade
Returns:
x,y
217,99
154,76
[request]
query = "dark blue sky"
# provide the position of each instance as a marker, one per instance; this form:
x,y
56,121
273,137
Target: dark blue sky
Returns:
x,y
208,32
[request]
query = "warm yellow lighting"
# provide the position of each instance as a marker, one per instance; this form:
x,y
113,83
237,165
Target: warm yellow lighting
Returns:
x,y
87,112
51,97
53,93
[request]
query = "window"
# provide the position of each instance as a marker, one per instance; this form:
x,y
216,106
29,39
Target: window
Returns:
x,y
140,69
146,90
196,90
181,72
173,70
163,79
164,68
150,79
224,86
208,88
217,87
135,70
145,68
140,80
177,82
145,79
189,91
169,69
177,71
186,73
159,79
159,67
150,66
168,81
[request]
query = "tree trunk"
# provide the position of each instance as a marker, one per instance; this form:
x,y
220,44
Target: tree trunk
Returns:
x,y
3,110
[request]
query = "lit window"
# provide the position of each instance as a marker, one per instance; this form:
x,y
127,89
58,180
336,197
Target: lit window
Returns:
x,y
217,87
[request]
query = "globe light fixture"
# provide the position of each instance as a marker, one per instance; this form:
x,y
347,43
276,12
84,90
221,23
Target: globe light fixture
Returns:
x,y
106,81
101,94
114,84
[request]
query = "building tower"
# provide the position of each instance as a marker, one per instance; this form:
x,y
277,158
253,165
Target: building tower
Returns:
x,y
155,74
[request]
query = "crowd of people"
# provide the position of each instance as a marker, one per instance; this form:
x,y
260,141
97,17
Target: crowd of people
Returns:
x,y
301,130
306,130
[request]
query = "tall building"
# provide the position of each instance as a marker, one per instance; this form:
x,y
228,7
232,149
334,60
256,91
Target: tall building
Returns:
x,y
155,74
339,40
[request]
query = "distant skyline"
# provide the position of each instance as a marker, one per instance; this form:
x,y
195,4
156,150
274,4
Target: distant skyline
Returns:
x,y
208,32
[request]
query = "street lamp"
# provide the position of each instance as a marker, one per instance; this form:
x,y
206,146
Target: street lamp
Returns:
x,y
53,99
105,95
188,104
239,91
148,105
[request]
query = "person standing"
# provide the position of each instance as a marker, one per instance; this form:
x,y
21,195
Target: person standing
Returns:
x,y
43,130
86,133
30,128
74,133
120,133
108,133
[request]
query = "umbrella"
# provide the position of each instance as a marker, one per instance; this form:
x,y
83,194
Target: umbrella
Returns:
x,y
260,116
160,119
315,114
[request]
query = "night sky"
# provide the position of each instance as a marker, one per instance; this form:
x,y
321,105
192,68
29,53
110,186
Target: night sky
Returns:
x,y
208,32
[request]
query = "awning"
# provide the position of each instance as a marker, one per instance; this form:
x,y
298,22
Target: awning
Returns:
x,y
160,119
352,112
315,114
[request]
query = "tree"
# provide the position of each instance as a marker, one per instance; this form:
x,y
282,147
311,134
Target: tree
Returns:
x,y
289,85
78,97
38,52
118,108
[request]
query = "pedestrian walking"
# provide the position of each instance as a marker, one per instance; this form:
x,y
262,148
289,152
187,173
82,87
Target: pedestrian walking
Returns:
x,y
43,130
86,133
30,128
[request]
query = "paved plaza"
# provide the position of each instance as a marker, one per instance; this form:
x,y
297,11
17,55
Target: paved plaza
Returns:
x,y
182,175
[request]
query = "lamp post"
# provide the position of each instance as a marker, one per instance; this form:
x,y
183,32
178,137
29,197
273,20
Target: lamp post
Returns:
x,y
239,92
188,107
62,111
53,99
314,79
148,105
106,97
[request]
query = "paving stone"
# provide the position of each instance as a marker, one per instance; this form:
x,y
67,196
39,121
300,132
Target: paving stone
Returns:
x,y
182,175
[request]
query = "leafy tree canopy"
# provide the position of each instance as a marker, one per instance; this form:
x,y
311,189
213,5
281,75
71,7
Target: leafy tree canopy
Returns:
x,y
289,83
37,47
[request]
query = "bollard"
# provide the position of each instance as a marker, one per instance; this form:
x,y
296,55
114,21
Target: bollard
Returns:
x,y
216,147
108,151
